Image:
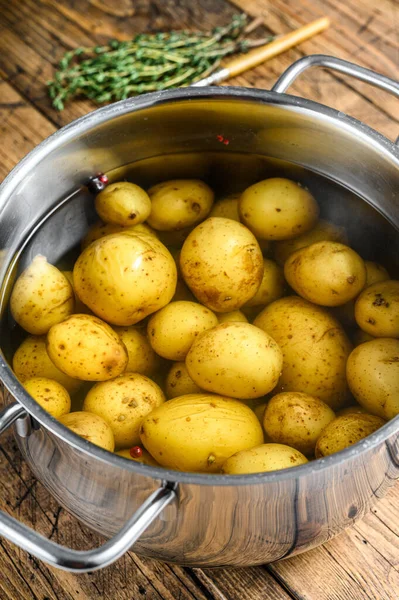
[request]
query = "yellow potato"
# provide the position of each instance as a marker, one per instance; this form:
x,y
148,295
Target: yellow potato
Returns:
x,y
86,348
141,357
377,309
124,277
41,297
123,403
278,209
375,273
326,273
322,231
179,383
267,457
352,410
32,360
90,427
227,208
198,432
50,394
346,431
144,459
360,336
272,286
182,292
222,264
175,239
297,420
236,360
173,329
260,411
179,203
123,203
314,346
234,315
79,306
100,230
373,376
345,313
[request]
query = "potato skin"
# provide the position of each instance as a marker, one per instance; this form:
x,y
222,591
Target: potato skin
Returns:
x,y
179,203
236,316
346,431
79,306
297,420
50,394
272,286
32,360
141,357
123,203
375,273
278,209
124,277
227,208
179,383
373,376
198,432
123,403
352,410
315,349
322,231
41,297
326,273
90,427
173,329
263,458
222,264
235,359
144,459
377,309
84,347
100,230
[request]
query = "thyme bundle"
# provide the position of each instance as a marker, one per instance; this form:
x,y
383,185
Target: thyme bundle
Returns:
x,y
147,63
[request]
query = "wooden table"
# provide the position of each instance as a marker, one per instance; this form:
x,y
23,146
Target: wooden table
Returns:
x,y
361,563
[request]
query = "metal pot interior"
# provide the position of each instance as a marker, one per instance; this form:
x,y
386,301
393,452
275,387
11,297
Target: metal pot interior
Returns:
x,y
46,209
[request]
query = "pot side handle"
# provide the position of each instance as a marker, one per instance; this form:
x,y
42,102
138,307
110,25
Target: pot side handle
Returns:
x,y
336,64
75,560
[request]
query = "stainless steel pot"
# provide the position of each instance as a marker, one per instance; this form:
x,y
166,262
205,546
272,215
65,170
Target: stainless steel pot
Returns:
x,y
190,518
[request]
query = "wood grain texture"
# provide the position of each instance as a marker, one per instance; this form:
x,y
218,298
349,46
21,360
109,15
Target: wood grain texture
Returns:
x,y
363,562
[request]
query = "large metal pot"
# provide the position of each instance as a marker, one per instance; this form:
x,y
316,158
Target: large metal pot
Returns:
x,y
178,517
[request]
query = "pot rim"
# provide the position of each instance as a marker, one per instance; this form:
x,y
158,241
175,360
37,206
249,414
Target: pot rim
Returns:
x,y
106,113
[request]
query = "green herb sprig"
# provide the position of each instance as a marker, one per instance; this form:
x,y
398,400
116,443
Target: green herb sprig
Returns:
x,y
147,63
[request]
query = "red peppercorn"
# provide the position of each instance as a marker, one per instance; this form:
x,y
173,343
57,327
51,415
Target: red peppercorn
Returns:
x,y
136,452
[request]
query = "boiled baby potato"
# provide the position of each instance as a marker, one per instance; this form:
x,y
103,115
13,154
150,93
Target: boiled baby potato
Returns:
x,y
123,403
272,286
227,208
173,329
236,360
179,203
373,376
84,347
124,277
50,394
100,230
179,383
360,336
326,273
123,203
323,230
315,349
79,306
297,420
346,431
278,209
141,357
198,432
144,459
41,297
222,264
32,360
375,273
234,315
175,239
260,412
352,410
377,309
267,457
90,427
